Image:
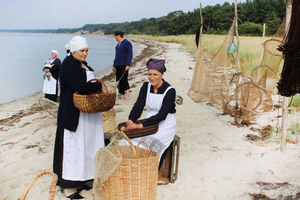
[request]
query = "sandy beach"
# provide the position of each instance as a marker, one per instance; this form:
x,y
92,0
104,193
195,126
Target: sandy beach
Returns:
x,y
216,160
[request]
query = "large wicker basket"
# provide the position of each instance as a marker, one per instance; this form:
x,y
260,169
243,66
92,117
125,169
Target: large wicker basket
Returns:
x,y
136,177
149,130
95,102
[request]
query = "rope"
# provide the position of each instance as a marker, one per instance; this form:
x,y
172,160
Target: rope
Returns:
x,y
44,107
26,145
22,113
120,78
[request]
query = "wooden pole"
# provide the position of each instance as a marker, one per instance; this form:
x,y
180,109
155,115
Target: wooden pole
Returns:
x,y
237,96
237,36
201,29
285,103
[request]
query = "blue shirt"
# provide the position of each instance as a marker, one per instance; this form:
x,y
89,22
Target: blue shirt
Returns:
x,y
123,55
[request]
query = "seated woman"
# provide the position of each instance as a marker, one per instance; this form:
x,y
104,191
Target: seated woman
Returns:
x,y
158,97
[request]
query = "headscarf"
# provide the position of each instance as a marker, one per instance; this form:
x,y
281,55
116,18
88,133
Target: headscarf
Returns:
x,y
55,51
156,64
76,43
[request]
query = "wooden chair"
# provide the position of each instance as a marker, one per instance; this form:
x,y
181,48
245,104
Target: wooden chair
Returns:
x,y
168,171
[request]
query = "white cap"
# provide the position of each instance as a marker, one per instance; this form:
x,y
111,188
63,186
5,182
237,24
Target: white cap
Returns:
x,y
76,43
55,51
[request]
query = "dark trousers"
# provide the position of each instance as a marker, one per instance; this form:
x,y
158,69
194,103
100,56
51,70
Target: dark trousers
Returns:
x,y
123,83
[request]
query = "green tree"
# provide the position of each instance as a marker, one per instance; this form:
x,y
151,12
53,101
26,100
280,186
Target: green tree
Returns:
x,y
250,28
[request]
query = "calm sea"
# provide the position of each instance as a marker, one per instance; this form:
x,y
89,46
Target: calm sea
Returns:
x,y
22,56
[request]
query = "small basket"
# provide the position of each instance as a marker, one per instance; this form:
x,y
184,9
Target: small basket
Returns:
x,y
149,130
96,101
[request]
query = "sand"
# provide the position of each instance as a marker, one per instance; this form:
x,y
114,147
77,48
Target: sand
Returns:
x,y
216,159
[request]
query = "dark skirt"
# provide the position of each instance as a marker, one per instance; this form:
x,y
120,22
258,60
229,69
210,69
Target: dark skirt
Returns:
x,y
58,161
123,84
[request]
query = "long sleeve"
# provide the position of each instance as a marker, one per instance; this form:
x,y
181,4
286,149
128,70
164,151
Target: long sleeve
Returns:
x,y
129,53
124,54
75,77
72,79
55,68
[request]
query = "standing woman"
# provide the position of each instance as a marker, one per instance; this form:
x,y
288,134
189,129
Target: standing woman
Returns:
x,y
79,135
158,96
50,87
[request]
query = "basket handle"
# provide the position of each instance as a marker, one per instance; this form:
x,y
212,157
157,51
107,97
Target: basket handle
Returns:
x,y
128,140
144,143
100,82
138,149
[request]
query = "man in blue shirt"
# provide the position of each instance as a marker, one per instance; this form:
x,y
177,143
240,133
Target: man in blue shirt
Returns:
x,y
122,64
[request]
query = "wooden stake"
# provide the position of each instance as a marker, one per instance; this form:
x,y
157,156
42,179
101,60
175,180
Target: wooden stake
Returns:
x,y
237,36
285,103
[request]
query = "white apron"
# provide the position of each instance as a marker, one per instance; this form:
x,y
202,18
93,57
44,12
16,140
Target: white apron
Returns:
x,y
80,147
49,84
159,141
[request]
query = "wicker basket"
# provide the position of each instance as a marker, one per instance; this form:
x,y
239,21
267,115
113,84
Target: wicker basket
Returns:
x,y
136,177
95,102
149,130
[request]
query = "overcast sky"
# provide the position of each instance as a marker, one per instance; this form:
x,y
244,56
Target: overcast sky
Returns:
x,y
53,14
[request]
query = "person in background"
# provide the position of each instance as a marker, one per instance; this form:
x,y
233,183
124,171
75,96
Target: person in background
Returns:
x,y
122,62
158,96
51,69
79,135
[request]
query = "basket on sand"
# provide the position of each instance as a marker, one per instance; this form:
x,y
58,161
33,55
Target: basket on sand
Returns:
x,y
96,101
148,130
125,172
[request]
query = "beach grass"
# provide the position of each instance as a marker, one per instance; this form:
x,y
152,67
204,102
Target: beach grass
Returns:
x,y
250,47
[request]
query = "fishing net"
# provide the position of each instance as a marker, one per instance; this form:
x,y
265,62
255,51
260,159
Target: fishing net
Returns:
x,y
211,79
241,95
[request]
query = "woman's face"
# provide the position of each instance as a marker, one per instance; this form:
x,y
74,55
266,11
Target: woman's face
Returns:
x,y
53,55
155,77
81,54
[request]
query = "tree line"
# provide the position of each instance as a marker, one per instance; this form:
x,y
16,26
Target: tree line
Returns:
x,y
217,19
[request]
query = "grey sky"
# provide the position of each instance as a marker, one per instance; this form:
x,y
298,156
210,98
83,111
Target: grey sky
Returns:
x,y
53,14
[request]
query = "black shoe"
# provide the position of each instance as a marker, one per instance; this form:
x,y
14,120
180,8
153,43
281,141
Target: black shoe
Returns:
x,y
75,195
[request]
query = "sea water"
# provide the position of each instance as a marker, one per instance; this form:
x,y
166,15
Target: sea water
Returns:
x,y
22,56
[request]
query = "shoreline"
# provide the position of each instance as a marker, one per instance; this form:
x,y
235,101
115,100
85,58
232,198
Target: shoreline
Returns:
x,y
106,72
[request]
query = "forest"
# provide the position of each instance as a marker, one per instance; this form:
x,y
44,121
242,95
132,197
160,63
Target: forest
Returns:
x,y
217,19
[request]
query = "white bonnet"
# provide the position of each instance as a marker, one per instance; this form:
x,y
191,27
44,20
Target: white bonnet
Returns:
x,y
55,51
76,43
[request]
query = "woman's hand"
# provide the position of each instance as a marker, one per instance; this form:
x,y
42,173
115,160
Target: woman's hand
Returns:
x,y
114,69
129,122
132,126
127,68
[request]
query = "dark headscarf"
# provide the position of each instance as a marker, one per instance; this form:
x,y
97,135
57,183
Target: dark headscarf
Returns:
x,y
156,64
